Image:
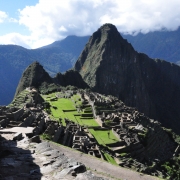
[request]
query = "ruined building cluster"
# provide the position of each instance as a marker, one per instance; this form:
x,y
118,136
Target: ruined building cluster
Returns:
x,y
139,137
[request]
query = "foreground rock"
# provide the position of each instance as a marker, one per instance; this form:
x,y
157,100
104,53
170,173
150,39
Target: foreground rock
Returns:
x,y
24,160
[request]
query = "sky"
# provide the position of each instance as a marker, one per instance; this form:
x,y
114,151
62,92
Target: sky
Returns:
x,y
35,23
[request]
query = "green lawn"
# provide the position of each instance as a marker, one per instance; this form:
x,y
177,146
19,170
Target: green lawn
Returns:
x,y
89,122
70,116
110,159
102,136
68,104
61,104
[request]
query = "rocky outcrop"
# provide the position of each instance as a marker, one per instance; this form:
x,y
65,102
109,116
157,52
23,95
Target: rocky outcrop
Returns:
x,y
35,76
110,65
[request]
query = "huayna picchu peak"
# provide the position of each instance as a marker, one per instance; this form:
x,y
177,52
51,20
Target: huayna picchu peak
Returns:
x,y
110,65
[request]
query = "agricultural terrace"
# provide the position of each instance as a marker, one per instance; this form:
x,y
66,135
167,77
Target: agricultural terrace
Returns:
x,y
70,107
61,108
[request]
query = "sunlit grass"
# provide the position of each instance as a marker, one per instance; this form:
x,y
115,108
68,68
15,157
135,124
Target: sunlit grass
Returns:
x,y
104,136
110,159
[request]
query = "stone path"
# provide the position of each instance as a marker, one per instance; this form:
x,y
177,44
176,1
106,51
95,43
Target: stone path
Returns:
x,y
24,130
102,167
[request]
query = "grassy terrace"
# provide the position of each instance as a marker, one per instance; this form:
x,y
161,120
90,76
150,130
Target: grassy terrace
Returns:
x,y
67,108
104,136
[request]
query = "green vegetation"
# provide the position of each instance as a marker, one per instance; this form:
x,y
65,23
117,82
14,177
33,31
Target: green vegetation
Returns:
x,y
107,122
46,88
76,111
110,159
123,154
104,136
46,137
172,168
20,99
66,108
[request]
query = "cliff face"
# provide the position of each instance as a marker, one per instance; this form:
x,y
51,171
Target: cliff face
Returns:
x,y
72,78
110,65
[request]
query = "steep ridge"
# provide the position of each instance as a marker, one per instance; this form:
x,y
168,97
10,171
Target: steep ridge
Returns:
x,y
36,76
110,65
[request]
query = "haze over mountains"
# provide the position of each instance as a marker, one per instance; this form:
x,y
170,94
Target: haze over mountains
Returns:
x,y
61,56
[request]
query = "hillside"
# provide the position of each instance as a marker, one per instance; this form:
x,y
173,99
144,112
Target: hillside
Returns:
x,y
110,65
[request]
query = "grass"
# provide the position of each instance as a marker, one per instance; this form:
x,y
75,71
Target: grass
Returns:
x,y
46,137
89,122
61,104
64,104
109,158
102,136
70,116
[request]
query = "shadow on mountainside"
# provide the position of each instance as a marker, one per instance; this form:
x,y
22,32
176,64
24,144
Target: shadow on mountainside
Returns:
x,y
17,162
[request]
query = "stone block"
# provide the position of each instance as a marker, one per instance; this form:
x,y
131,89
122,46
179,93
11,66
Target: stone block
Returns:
x,y
35,139
17,137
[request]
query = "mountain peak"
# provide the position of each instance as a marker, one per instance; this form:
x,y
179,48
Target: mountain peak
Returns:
x,y
34,75
105,46
108,27
110,65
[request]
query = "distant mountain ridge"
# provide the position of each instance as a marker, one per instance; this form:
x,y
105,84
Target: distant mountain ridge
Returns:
x,y
110,65
159,44
61,56
56,57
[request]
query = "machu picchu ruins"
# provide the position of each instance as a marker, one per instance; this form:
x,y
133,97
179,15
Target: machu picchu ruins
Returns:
x,y
92,123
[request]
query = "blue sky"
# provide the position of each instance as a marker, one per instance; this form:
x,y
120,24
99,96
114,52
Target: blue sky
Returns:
x,y
10,7
35,23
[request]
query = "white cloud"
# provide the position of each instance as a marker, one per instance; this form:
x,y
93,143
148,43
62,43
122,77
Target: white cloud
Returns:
x,y
52,20
16,39
13,20
3,16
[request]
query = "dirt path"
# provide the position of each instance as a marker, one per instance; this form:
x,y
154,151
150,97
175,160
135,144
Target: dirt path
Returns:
x,y
102,167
